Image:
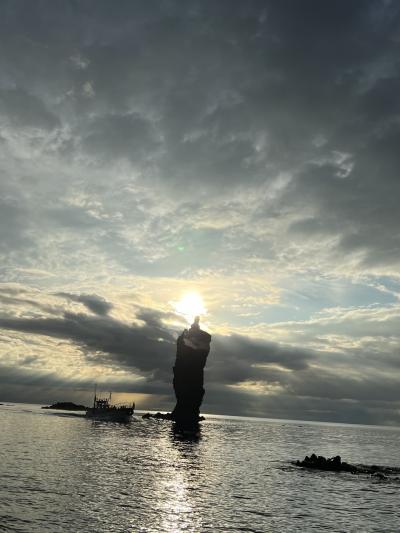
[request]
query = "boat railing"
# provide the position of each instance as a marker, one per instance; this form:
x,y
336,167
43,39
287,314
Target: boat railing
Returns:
x,y
105,404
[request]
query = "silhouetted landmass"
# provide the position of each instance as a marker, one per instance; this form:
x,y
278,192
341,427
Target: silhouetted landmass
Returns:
x,y
66,406
193,347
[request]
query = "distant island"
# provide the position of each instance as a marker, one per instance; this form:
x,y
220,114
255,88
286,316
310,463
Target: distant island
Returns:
x,y
66,406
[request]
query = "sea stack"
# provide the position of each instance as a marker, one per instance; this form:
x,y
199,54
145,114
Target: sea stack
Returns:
x,y
193,347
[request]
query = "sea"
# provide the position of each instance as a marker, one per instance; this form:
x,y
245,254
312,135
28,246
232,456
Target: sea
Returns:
x,y
61,472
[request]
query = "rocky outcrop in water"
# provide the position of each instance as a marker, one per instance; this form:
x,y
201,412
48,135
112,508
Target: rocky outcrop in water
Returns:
x,y
66,406
335,464
164,416
193,347
319,462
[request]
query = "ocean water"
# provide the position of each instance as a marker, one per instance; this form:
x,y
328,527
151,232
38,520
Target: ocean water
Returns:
x,y
64,473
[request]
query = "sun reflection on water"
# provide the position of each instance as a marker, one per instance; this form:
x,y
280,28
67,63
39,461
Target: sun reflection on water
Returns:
x,y
179,509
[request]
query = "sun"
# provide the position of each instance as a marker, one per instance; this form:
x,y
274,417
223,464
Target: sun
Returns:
x,y
190,305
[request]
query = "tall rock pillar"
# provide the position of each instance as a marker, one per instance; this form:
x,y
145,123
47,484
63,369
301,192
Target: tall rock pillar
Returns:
x,y
193,347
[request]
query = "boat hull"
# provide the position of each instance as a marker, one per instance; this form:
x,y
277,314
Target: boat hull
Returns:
x,y
112,415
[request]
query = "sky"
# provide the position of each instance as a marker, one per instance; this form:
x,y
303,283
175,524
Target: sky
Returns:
x,y
244,153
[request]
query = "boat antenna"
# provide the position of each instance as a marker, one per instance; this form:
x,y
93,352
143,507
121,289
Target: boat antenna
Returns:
x,y
95,398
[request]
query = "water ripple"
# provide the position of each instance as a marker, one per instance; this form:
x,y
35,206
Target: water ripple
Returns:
x,y
61,473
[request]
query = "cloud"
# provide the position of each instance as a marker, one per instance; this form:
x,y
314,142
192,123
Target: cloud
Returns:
x,y
128,136
94,303
144,347
149,346
26,110
12,231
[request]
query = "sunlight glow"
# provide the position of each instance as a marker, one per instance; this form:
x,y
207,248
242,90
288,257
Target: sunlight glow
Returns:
x,y
190,305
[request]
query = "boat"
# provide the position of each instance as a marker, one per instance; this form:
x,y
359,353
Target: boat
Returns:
x,y
103,410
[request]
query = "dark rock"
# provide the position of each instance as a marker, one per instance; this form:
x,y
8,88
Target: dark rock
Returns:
x,y
158,416
334,464
165,416
193,347
66,406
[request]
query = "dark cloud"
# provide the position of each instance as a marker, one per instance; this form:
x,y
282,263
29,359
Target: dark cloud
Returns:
x,y
235,95
20,301
363,215
284,406
24,384
150,348
94,303
24,109
13,234
146,348
237,359
128,136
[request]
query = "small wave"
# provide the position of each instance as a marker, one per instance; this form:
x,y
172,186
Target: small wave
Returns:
x,y
249,529
259,513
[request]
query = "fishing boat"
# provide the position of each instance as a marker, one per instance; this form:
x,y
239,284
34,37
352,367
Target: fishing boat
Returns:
x,y
103,410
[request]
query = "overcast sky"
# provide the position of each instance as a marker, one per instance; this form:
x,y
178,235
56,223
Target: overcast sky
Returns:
x,y
248,151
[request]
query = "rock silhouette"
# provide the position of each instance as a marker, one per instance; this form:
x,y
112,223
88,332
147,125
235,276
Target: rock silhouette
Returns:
x,y
66,406
193,347
165,416
334,464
